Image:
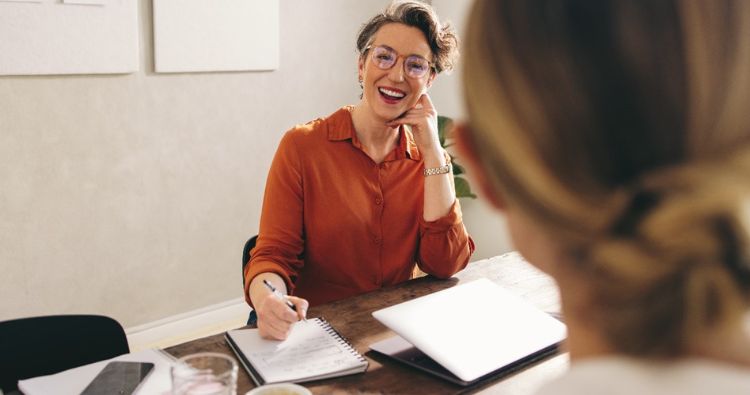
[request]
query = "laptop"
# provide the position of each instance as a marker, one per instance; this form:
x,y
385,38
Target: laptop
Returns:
x,y
469,332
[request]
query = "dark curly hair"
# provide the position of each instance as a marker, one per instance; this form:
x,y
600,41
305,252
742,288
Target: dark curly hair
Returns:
x,y
442,38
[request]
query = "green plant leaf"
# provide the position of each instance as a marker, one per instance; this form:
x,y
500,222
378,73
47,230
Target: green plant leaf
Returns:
x,y
463,189
444,126
457,169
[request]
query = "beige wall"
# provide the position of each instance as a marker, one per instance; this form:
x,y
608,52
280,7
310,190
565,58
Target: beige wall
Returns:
x,y
486,226
131,195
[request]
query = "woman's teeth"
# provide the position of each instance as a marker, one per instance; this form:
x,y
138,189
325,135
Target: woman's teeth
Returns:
x,y
390,93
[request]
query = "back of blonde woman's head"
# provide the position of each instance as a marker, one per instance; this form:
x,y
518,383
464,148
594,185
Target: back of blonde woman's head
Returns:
x,y
623,127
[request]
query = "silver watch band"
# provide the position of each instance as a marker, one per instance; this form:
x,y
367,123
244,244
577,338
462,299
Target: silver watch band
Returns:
x,y
438,170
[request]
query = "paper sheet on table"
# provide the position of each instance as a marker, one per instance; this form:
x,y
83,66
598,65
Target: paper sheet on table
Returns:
x,y
73,381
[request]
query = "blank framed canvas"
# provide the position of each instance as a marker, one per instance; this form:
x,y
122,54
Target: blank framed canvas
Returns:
x,y
68,37
215,35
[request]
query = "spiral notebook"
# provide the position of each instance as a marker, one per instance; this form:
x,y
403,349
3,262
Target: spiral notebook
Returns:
x,y
314,350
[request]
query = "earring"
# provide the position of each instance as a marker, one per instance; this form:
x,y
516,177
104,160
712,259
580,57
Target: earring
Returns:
x,y
361,87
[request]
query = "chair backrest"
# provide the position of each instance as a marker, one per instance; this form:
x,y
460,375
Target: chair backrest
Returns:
x,y
249,245
37,346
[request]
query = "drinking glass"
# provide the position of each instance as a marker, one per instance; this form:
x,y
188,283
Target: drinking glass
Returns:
x,y
205,373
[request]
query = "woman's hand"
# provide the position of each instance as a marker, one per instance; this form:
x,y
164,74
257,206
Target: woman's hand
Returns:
x,y
439,192
275,318
424,126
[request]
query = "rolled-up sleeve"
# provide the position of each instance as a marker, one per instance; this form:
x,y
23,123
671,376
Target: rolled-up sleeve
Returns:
x,y
444,246
280,242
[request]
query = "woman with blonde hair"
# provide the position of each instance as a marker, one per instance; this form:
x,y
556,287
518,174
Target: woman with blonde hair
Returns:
x,y
615,137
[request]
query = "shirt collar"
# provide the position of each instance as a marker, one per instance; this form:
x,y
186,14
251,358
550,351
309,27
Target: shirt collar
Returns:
x,y
341,127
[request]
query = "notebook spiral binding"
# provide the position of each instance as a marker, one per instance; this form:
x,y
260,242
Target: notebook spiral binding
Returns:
x,y
342,339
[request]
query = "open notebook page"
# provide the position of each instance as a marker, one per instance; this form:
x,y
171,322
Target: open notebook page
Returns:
x,y
313,350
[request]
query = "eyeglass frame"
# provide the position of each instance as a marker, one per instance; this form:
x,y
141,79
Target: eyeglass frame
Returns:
x,y
405,57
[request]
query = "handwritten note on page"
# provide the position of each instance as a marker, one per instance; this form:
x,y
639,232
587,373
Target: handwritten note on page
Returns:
x,y
314,350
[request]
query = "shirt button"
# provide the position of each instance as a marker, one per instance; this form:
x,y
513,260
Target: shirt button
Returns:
x,y
377,240
378,201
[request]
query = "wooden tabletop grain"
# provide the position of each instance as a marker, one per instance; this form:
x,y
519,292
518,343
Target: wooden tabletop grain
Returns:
x,y
352,318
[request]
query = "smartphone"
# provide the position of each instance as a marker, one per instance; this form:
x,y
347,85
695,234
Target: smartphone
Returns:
x,y
119,377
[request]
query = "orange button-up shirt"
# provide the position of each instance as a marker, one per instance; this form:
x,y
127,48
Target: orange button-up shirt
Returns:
x,y
336,224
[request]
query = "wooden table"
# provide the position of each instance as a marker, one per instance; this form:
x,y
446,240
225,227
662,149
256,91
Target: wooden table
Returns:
x,y
352,318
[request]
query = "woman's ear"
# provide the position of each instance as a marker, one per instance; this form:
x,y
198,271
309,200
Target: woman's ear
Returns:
x,y
430,79
361,67
468,152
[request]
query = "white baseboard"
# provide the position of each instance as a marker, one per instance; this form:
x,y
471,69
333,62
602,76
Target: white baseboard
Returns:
x,y
188,326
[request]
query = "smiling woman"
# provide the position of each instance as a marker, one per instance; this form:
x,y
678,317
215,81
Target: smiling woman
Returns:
x,y
357,200
390,91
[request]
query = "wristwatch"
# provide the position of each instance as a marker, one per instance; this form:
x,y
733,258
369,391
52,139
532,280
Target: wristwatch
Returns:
x,y
438,170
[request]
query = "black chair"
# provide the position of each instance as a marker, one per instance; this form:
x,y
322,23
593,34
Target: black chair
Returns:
x,y
249,245
37,346
252,319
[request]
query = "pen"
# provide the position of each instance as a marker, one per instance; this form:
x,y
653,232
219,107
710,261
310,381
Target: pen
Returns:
x,y
282,297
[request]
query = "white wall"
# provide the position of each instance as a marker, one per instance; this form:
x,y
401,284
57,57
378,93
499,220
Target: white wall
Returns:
x,y
486,226
132,195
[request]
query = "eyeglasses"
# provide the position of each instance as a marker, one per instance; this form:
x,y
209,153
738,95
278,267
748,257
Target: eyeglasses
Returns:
x,y
385,58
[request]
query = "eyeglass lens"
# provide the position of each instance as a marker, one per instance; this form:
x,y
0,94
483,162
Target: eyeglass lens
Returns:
x,y
414,66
